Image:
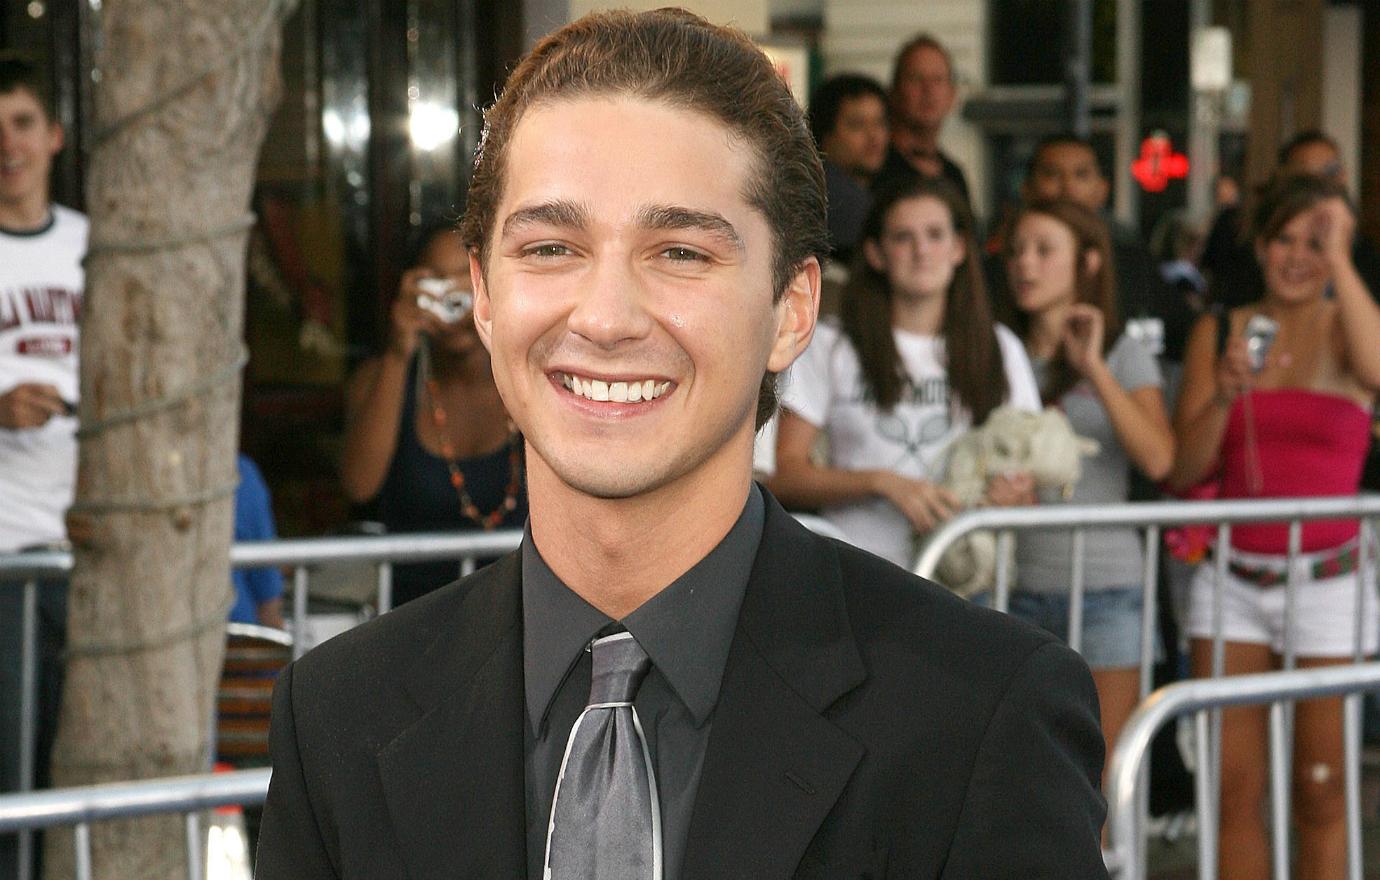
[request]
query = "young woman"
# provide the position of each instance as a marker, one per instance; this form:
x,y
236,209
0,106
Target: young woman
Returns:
x,y
1296,424
915,362
1059,266
426,436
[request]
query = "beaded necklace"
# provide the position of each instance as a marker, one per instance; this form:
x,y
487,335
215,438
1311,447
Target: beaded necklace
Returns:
x,y
468,509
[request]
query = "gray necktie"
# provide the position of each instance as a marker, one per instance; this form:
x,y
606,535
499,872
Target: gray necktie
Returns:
x,y
605,819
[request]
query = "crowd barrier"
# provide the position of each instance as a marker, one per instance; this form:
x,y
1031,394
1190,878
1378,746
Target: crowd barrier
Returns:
x,y
1153,518
1126,857
81,806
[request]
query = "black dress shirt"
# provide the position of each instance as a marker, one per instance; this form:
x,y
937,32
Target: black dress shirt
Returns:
x,y
686,629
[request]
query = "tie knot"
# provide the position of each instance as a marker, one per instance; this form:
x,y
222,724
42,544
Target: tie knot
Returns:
x,y
620,664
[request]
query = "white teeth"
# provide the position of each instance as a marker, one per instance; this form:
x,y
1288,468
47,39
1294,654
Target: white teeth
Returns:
x,y
615,392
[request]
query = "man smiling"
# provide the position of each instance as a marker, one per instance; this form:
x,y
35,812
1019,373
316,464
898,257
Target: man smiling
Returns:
x,y
671,678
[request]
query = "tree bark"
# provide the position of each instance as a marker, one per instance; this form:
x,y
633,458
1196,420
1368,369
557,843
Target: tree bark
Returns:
x,y
186,91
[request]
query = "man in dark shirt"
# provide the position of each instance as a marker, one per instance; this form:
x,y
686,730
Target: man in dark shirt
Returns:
x,y
923,89
646,220
848,117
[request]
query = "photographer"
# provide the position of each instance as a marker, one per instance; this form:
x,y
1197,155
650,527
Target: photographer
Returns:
x,y
427,439
1277,403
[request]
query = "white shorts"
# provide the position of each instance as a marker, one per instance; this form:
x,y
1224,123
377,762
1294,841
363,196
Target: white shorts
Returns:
x,y
1324,608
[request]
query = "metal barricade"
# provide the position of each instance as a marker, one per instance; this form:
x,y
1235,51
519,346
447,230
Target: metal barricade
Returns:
x,y
1153,517
1204,697
81,806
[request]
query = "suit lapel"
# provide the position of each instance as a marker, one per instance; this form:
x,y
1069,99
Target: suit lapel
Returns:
x,y
453,780
775,765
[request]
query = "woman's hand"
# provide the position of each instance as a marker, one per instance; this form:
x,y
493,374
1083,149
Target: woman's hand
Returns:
x,y
924,504
1335,225
1233,372
1011,490
1084,338
407,319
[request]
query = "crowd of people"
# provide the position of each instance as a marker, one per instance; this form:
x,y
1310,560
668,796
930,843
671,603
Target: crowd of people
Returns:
x,y
929,327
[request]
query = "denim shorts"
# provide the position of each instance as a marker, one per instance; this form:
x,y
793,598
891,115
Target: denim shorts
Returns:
x,y
1111,621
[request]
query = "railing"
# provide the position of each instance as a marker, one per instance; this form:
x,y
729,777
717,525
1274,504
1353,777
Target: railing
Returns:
x,y
1204,698
81,806
1153,517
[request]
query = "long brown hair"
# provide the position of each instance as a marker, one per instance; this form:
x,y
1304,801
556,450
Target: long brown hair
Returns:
x,y
971,353
1097,288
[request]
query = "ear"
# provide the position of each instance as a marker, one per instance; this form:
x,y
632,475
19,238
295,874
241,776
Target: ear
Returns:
x,y
1092,262
872,252
960,250
483,306
796,314
1104,190
56,137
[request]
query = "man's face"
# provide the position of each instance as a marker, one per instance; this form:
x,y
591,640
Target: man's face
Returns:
x,y
858,141
627,300
1069,172
1317,158
925,89
28,142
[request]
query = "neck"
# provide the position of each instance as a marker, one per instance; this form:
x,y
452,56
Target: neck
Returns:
x,y
910,136
468,368
923,315
25,216
616,553
1047,331
1291,314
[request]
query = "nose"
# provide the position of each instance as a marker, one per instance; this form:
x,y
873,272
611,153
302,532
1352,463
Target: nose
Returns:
x,y
610,306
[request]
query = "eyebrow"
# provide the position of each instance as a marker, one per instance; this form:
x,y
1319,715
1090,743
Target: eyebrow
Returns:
x,y
678,217
561,212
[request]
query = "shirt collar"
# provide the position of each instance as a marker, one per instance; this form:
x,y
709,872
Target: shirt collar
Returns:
x,y
686,629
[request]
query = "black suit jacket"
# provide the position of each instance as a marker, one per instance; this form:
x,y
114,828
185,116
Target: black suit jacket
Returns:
x,y
869,725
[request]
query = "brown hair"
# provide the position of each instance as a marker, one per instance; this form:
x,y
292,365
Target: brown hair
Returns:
x,y
1285,197
679,58
1097,288
19,72
971,352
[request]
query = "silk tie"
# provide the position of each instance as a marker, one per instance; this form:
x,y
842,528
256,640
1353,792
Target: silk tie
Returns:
x,y
605,818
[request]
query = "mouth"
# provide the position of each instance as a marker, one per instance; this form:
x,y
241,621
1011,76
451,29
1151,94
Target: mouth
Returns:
x,y
636,390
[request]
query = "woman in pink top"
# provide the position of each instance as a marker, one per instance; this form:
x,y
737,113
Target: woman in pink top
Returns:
x,y
1296,426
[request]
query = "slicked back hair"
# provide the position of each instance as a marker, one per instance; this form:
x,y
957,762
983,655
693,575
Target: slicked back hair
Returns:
x,y
678,58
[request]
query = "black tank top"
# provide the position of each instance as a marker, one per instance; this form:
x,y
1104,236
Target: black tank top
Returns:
x,y
417,496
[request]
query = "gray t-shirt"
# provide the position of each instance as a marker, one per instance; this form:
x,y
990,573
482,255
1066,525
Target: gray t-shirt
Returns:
x,y
1112,557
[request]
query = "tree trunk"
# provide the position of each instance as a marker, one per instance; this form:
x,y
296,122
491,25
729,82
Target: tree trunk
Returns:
x,y
184,98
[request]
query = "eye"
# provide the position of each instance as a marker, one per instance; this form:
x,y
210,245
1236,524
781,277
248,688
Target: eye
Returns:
x,y
546,250
681,254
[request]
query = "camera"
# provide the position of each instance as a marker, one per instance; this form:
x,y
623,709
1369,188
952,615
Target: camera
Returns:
x,y
443,299
1260,335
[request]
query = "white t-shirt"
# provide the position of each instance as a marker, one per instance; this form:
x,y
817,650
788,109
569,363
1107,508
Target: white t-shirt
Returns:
x,y
41,286
825,387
